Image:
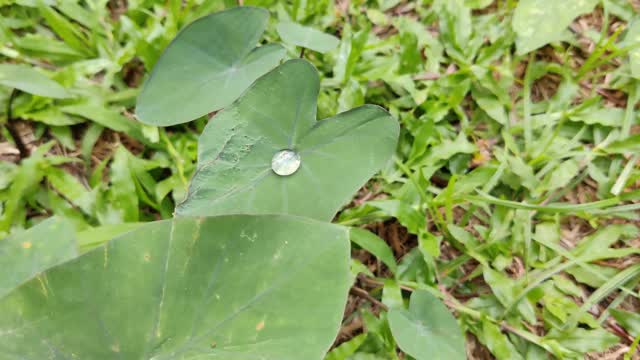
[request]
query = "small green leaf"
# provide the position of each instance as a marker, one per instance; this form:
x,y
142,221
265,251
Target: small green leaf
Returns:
x,y
604,116
410,56
478,4
310,38
498,342
560,177
455,27
25,78
507,290
26,254
106,116
602,239
172,290
628,320
427,330
25,183
491,105
122,194
584,340
392,294
414,220
376,246
71,188
448,148
69,32
538,23
207,66
346,349
629,144
335,156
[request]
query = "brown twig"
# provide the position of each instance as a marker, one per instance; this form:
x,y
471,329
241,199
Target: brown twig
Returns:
x,y
356,291
302,53
13,131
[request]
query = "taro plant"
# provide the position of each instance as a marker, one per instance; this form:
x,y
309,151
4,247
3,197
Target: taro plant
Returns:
x,y
249,267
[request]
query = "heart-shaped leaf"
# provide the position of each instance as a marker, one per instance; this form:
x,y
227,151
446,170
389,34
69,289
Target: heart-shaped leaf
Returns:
x,y
26,254
427,330
207,66
230,287
25,78
307,37
337,155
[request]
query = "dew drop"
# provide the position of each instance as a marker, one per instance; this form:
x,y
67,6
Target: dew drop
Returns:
x,y
285,162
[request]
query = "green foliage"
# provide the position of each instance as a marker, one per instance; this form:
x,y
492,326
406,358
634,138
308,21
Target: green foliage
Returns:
x,y
427,330
376,246
629,321
235,173
632,39
306,37
198,74
537,23
28,253
515,169
172,290
27,79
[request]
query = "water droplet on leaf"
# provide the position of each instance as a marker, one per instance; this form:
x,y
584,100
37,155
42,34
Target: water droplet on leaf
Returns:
x,y
285,162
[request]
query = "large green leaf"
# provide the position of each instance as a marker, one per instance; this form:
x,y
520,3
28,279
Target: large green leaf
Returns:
x,y
26,254
338,155
538,23
307,37
229,287
25,78
207,66
427,330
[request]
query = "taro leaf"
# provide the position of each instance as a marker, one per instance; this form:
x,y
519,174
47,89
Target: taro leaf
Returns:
x,y
207,66
231,287
25,78
307,37
94,237
338,155
427,330
538,23
26,254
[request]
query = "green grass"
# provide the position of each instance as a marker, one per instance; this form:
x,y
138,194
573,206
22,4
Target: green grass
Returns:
x,y
513,196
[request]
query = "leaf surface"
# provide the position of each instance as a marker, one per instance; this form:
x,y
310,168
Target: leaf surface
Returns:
x,y
207,66
231,287
310,38
338,155
427,330
538,23
24,255
25,78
